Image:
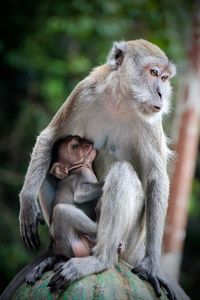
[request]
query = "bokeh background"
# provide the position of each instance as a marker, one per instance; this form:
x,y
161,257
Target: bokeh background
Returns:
x,y
46,48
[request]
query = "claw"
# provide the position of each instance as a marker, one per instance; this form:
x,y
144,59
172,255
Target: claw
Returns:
x,y
58,266
156,283
30,236
27,239
56,282
40,218
34,236
170,293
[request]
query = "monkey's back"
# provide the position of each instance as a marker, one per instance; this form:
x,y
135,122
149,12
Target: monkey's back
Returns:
x,y
66,190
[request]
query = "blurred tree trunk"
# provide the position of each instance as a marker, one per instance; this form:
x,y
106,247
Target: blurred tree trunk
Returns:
x,y
187,118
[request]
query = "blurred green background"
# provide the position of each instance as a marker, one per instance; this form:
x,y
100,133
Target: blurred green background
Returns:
x,y
46,48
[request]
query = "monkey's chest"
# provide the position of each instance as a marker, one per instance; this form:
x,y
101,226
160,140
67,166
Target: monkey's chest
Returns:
x,y
115,140
119,144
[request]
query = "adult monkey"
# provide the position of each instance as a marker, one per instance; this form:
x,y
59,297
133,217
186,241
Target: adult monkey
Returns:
x,y
119,107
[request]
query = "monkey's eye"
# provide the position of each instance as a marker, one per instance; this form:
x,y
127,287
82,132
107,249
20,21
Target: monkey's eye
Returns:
x,y
154,72
164,77
74,146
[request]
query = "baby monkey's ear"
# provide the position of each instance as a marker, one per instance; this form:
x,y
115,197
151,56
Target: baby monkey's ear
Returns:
x,y
59,170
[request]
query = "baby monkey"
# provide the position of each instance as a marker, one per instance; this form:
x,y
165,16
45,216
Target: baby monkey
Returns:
x,y
73,223
73,219
76,209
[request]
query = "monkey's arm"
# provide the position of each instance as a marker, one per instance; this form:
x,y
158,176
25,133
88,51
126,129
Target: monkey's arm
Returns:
x,y
87,192
30,212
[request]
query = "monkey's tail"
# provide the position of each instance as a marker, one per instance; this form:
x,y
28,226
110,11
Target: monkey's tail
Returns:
x,y
21,276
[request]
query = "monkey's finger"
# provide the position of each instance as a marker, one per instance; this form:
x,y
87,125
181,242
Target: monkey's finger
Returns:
x,y
140,273
55,285
170,293
155,284
27,238
30,280
22,233
40,218
60,284
31,238
22,230
34,236
58,266
58,270
54,280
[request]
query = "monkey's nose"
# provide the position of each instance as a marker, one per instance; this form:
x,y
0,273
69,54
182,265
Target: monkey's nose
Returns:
x,y
156,108
159,93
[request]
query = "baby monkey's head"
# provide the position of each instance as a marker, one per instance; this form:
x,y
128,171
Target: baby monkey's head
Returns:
x,y
71,153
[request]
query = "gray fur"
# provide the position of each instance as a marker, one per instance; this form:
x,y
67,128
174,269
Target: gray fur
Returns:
x,y
118,113
70,215
73,211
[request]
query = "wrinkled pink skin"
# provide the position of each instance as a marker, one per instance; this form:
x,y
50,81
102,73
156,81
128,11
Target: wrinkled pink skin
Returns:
x,y
83,247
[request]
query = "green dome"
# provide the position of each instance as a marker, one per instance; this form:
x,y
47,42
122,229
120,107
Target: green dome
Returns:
x,y
116,284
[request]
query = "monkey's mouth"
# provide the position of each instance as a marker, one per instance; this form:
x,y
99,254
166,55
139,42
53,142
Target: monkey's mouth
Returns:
x,y
91,151
151,108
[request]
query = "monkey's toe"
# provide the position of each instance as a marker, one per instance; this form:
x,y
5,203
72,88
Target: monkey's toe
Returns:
x,y
156,282
65,273
35,274
57,282
31,278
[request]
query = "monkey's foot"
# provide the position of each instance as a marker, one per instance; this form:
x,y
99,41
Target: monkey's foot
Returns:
x,y
36,273
155,281
74,269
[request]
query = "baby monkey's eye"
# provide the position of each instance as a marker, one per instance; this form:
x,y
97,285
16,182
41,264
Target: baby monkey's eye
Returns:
x,y
74,146
154,72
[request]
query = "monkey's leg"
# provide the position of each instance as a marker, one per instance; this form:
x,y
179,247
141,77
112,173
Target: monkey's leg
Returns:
x,y
68,224
148,267
121,204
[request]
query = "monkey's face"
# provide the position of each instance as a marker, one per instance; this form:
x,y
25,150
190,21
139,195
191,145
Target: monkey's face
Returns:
x,y
154,98
145,71
150,86
77,151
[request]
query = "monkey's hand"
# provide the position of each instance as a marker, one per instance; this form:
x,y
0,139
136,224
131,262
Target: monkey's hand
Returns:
x,y
145,272
74,269
29,216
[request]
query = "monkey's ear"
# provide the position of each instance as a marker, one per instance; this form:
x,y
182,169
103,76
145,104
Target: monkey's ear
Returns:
x,y
116,55
58,170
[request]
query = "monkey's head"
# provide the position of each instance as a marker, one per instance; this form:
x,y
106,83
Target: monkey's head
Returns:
x,y
146,73
72,152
